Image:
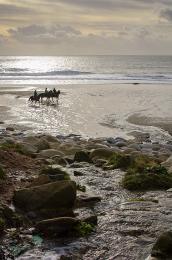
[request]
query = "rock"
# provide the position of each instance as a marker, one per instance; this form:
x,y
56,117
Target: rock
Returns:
x,y
92,220
56,173
135,146
49,153
42,144
82,156
101,153
51,139
9,140
27,148
100,162
167,163
121,144
40,180
169,190
11,129
111,140
57,226
84,200
77,173
59,160
51,199
163,246
168,147
140,136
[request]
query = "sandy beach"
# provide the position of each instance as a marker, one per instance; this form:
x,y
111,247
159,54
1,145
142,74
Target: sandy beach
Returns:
x,y
93,111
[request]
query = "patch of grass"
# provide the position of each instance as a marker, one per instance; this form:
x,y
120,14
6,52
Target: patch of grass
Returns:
x,y
14,147
84,229
145,173
147,181
119,160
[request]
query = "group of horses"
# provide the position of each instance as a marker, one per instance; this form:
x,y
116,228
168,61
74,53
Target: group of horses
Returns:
x,y
49,95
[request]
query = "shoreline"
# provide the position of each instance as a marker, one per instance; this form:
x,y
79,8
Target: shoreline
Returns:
x,y
114,110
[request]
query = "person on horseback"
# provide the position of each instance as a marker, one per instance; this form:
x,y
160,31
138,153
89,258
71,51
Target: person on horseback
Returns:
x,y
54,91
35,94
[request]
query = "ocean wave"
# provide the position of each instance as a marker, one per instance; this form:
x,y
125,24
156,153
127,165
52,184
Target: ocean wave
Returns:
x,y
90,77
23,72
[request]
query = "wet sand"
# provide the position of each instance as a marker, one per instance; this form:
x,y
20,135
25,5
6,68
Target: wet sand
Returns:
x,y
163,123
93,110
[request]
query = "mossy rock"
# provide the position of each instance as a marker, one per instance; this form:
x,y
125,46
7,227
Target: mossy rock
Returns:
x,y
101,153
82,156
121,161
2,173
55,173
147,181
55,195
146,173
163,246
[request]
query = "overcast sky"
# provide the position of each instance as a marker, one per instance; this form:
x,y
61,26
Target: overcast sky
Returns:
x,y
76,27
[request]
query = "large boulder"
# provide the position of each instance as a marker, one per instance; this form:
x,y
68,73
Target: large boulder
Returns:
x,y
26,148
101,153
163,246
57,226
48,153
42,144
52,199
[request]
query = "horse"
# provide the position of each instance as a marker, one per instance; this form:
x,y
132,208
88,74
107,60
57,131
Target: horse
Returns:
x,y
34,98
50,94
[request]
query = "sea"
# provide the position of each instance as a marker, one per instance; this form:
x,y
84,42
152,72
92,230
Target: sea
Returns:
x,y
29,70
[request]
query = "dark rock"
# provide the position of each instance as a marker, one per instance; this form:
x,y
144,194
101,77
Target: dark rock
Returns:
x,y
163,246
92,220
84,200
77,173
55,198
56,173
57,226
82,156
11,129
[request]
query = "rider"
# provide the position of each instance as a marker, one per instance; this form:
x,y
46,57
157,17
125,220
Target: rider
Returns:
x,y
35,94
46,91
54,91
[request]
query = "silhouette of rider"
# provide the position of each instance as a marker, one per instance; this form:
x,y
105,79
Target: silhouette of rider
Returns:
x,y
54,91
35,94
46,91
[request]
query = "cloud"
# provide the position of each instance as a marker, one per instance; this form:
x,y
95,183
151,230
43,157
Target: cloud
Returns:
x,y
43,34
167,14
3,40
9,9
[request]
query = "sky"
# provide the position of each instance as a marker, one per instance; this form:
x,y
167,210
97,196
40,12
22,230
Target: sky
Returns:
x,y
85,27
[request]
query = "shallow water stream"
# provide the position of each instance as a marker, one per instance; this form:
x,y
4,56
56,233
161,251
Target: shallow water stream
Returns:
x,y
127,227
